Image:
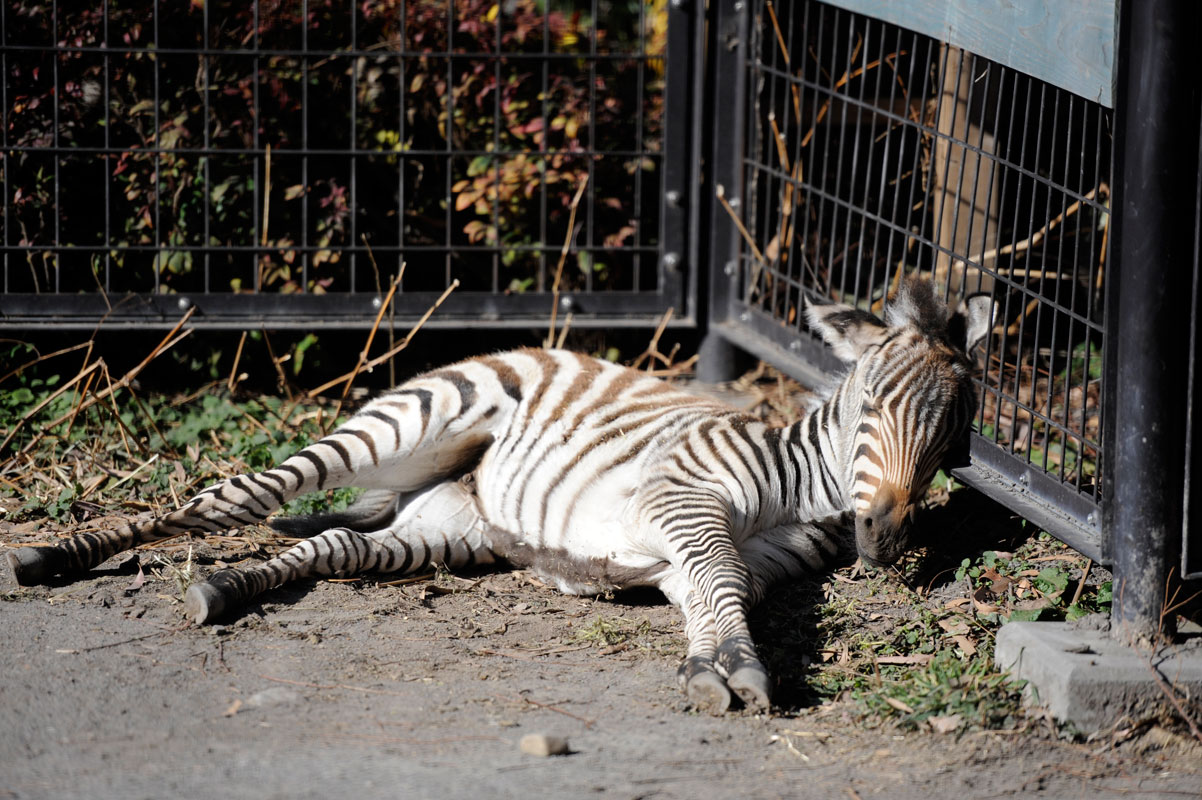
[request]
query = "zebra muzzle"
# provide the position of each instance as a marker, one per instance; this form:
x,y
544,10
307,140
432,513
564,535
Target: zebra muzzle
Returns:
x,y
883,531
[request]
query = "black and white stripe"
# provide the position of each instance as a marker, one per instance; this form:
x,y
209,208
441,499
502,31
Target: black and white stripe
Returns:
x,y
599,477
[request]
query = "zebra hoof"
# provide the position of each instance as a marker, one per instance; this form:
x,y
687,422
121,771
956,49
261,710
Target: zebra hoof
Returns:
x,y
707,692
34,565
752,686
203,603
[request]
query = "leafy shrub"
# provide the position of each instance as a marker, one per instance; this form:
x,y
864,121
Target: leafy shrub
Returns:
x,y
432,127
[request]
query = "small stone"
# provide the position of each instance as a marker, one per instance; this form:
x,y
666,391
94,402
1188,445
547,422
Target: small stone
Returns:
x,y
273,696
538,744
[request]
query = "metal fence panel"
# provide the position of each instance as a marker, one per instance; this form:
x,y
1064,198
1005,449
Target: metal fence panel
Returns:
x,y
275,163
862,151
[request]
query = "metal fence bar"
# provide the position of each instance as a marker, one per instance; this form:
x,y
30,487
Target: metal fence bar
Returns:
x,y
1191,549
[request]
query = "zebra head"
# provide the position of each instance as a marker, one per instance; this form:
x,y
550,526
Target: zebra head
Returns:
x,y
908,398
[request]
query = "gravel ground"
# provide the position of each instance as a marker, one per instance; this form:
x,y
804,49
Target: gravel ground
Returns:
x,y
426,689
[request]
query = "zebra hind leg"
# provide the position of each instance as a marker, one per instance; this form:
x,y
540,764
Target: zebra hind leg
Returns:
x,y
234,502
356,454
439,525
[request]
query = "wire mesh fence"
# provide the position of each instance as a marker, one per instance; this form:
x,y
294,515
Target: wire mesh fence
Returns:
x,y
252,157
871,151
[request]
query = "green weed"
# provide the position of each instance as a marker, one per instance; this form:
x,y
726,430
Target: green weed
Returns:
x,y
145,452
611,631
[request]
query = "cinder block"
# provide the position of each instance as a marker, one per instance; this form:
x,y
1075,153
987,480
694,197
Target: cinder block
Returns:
x,y
1092,681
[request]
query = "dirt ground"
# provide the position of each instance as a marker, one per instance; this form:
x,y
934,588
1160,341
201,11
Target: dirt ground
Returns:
x,y
426,688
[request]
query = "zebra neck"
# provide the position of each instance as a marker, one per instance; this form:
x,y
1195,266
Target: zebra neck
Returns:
x,y
822,442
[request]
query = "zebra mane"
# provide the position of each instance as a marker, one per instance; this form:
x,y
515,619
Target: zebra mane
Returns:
x,y
915,304
963,328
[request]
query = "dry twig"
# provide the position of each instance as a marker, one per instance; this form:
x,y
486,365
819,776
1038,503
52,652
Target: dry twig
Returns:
x,y
563,255
370,365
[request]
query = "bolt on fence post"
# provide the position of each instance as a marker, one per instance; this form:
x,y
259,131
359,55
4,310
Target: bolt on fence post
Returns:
x,y
1155,149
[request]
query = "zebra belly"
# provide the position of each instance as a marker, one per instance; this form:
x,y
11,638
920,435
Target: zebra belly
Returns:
x,y
581,542
579,573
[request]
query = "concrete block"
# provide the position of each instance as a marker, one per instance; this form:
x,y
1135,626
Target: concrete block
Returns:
x,y
1092,681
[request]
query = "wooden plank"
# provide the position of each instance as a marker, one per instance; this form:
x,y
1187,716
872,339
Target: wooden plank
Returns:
x,y
967,208
1068,43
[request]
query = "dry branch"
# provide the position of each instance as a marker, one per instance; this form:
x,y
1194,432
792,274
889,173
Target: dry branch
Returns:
x,y
563,256
233,379
46,357
168,341
370,365
652,353
1035,238
384,306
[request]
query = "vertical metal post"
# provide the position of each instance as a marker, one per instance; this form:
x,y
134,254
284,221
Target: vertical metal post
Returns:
x,y
728,51
1155,150
1191,546
679,253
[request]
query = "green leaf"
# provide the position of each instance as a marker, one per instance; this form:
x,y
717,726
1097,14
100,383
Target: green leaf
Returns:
x,y
1051,580
1030,614
479,165
298,357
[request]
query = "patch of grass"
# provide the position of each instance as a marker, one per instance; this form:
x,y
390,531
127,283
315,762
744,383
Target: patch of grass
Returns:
x,y
132,452
948,693
914,665
181,575
1042,580
611,631
914,647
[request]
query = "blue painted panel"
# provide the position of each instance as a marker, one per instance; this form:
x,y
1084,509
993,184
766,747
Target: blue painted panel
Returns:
x,y
1068,43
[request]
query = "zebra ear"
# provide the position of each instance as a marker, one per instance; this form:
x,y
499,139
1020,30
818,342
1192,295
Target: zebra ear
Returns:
x,y
972,321
849,331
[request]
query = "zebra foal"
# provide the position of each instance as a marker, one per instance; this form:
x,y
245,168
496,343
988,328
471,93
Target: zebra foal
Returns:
x,y
599,477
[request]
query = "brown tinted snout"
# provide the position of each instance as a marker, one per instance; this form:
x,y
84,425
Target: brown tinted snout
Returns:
x,y
882,532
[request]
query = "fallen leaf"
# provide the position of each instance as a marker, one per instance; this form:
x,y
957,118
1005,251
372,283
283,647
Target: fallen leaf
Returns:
x,y
959,601
899,705
982,601
792,749
137,582
998,583
965,644
233,709
954,626
433,589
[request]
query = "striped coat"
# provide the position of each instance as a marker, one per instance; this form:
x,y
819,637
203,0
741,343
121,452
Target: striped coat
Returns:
x,y
599,477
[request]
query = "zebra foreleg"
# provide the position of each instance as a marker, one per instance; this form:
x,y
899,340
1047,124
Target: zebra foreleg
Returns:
x,y
699,675
440,525
723,585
